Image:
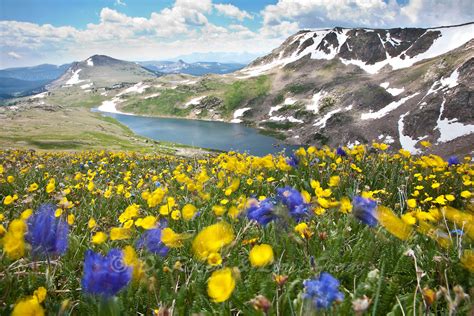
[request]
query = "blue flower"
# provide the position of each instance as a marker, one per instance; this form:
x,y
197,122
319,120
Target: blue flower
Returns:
x,y
294,201
365,210
105,275
458,232
261,211
453,160
323,290
47,234
341,152
151,239
292,161
157,184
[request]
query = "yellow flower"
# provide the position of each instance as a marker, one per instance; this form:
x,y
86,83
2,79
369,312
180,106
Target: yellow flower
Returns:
x,y
261,255
392,223
51,186
8,200
220,285
411,203
450,197
13,241
440,200
148,222
10,179
172,239
176,215
29,306
346,205
33,187
408,219
70,219
334,181
214,259
425,143
435,185
26,214
58,212
188,212
218,210
130,212
130,258
119,233
40,294
303,230
211,239
99,238
91,223
466,194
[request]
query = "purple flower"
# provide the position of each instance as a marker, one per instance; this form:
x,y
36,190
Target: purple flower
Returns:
x,y
292,161
365,210
323,290
294,201
341,152
453,160
151,240
105,275
261,211
47,234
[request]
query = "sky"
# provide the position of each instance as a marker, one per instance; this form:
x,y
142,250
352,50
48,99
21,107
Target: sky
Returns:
x,y
34,32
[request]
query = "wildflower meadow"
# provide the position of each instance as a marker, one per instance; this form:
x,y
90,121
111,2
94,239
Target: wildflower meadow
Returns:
x,y
358,231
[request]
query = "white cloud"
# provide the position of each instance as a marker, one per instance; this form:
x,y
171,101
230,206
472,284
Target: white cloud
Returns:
x,y
232,11
368,13
120,2
14,55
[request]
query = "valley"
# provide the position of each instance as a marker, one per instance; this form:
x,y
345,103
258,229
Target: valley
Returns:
x,y
318,88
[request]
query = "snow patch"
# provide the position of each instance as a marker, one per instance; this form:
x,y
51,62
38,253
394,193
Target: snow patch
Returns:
x,y
87,85
274,108
39,95
194,101
321,123
385,85
152,95
74,78
406,141
317,97
89,62
137,88
238,113
387,109
451,129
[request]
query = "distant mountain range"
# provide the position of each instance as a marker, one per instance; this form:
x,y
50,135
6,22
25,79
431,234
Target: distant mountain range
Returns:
x,y
194,69
23,81
17,82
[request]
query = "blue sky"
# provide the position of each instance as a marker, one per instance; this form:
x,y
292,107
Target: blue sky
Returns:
x,y
59,31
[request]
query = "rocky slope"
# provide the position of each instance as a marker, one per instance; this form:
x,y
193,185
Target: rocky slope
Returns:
x,y
349,86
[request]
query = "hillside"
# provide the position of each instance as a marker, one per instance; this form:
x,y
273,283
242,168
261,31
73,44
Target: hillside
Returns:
x,y
101,71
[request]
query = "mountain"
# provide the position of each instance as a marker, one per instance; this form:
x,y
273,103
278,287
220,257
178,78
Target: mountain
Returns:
x,y
194,69
35,73
13,88
16,82
101,71
221,57
347,86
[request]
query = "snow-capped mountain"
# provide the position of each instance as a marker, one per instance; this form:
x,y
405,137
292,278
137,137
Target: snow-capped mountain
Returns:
x,y
345,86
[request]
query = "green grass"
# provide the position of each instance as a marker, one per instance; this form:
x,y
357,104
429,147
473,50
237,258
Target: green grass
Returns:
x,y
243,91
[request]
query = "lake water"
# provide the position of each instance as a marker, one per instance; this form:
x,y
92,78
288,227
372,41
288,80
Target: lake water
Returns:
x,y
212,135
